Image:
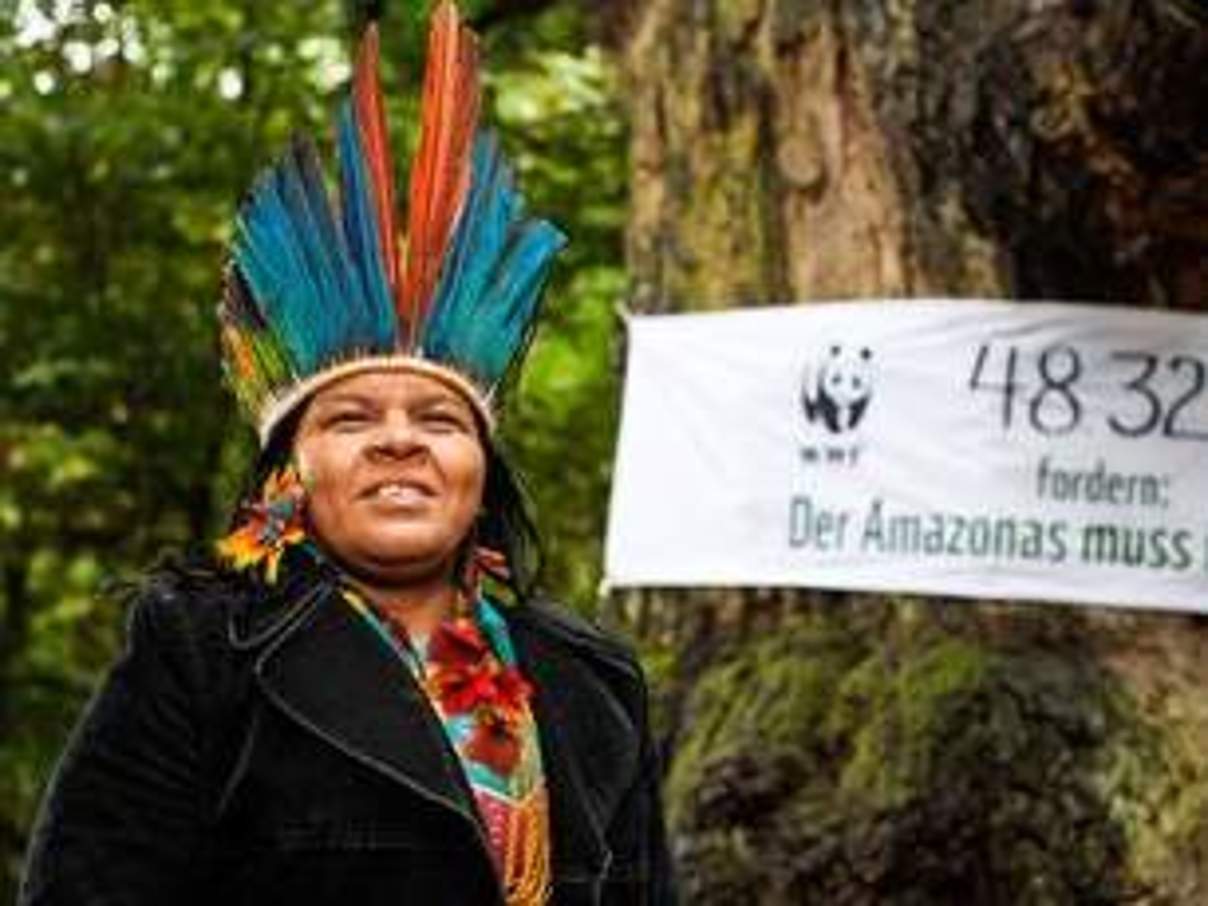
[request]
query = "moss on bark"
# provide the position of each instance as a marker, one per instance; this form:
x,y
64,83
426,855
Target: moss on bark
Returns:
x,y
821,765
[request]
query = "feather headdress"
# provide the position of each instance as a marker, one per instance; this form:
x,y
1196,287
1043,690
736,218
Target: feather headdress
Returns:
x,y
313,293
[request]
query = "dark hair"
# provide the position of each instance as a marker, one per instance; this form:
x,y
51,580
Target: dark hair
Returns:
x,y
504,523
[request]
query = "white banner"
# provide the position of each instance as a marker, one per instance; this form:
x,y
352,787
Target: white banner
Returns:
x,y
989,449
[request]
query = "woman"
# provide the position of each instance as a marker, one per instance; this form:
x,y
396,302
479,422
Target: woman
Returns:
x,y
335,710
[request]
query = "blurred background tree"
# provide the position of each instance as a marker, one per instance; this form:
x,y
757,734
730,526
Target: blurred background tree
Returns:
x,y
128,131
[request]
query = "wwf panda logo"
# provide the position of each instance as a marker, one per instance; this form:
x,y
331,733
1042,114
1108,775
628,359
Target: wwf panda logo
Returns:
x,y
837,390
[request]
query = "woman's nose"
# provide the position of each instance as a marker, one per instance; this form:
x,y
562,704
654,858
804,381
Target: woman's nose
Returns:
x,y
396,436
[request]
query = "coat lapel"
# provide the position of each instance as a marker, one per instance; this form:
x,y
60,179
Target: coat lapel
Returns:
x,y
588,747
330,672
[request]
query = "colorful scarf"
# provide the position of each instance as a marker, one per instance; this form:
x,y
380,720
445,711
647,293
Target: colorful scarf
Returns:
x,y
468,669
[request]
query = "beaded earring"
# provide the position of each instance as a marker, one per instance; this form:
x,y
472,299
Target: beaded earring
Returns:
x,y
481,563
269,525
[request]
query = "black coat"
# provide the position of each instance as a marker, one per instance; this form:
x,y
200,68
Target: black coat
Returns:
x,y
269,749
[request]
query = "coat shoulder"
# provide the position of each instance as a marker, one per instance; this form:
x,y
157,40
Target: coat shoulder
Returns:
x,y
179,633
218,608
181,607
606,654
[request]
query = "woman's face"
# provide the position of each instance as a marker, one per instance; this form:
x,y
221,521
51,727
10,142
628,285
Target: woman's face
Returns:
x,y
394,468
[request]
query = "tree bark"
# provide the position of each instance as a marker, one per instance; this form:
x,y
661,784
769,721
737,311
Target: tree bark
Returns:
x,y
812,150
804,150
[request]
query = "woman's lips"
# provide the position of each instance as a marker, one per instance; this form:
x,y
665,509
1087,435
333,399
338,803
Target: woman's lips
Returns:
x,y
400,492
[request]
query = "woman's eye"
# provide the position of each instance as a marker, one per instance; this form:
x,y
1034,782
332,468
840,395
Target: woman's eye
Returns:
x,y
443,421
346,420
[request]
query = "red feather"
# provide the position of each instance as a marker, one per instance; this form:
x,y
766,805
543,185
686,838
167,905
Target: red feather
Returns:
x,y
440,176
371,124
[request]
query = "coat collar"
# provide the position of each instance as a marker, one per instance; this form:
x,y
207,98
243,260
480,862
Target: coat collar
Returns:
x,y
329,672
322,664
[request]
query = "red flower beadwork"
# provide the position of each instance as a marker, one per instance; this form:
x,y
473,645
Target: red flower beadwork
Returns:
x,y
496,741
465,677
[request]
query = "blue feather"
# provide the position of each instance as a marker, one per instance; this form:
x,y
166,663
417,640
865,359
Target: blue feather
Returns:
x,y
299,266
493,276
321,246
266,256
360,220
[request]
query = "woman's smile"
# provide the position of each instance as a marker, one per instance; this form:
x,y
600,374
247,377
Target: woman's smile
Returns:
x,y
406,491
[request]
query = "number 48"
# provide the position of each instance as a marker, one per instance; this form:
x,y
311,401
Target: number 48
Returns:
x,y
1053,407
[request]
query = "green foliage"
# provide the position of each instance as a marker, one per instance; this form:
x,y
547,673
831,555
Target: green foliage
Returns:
x,y
128,131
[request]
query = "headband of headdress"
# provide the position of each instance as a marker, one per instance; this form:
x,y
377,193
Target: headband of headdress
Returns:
x,y
313,293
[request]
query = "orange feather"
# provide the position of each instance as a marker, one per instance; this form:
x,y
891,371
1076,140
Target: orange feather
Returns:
x,y
371,124
440,176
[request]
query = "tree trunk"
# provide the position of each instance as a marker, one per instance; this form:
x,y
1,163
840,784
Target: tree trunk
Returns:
x,y
795,150
814,150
